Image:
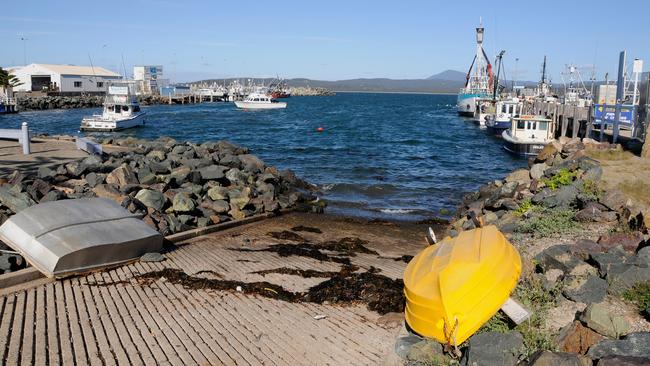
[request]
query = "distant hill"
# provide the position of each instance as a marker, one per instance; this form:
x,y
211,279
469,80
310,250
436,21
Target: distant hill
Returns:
x,y
368,85
449,75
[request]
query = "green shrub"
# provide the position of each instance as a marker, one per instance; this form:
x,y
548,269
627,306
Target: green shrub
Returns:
x,y
548,222
532,294
524,207
591,189
563,177
639,294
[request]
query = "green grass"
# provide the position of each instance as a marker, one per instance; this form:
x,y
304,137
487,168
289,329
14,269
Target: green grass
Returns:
x,y
591,189
563,177
530,292
549,222
524,207
639,294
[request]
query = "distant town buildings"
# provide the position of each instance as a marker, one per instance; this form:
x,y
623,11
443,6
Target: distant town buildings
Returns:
x,y
65,79
149,79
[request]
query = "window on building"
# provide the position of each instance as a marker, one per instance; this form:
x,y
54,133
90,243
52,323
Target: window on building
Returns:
x,y
77,84
100,84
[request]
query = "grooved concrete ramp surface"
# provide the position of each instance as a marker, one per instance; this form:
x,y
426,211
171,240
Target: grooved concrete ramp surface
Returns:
x,y
110,318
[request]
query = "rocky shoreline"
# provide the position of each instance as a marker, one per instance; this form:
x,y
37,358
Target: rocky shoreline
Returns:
x,y
586,265
95,101
72,102
174,186
300,91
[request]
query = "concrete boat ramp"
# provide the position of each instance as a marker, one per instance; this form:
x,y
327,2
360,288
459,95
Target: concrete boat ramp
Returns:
x,y
110,317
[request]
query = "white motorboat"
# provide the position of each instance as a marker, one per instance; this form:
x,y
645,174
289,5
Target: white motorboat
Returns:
x,y
121,111
260,101
528,135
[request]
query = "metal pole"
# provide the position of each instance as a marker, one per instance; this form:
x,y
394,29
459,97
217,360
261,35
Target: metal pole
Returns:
x,y
25,138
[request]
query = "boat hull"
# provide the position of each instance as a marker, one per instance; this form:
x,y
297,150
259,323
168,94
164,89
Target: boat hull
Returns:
x,y
92,124
466,103
454,287
521,148
260,106
496,128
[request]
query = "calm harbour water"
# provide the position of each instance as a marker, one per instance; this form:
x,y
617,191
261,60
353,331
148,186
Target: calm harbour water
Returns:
x,y
393,156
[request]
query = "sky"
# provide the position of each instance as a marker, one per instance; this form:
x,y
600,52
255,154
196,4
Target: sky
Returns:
x,y
327,40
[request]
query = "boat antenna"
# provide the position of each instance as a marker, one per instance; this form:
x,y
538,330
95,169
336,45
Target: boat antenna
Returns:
x,y
123,65
92,67
544,70
496,84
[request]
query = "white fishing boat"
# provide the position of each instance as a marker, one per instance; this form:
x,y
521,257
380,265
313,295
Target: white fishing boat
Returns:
x,y
485,109
479,80
505,110
121,111
260,101
528,135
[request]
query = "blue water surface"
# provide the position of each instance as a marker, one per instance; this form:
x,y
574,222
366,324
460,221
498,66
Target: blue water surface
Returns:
x,y
395,156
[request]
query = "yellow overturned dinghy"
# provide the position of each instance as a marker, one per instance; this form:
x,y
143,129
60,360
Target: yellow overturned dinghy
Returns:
x,y
455,286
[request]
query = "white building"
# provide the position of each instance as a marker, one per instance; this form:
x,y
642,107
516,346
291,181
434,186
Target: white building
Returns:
x,y
149,79
68,79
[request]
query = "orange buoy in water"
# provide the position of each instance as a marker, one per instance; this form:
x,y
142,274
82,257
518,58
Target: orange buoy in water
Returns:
x,y
320,129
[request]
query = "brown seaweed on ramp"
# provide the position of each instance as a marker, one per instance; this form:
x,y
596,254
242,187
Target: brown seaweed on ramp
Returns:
x,y
307,229
285,235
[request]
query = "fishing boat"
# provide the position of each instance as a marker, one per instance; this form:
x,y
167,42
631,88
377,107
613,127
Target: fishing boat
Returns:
x,y
280,90
505,111
453,287
485,109
260,101
479,79
121,111
528,135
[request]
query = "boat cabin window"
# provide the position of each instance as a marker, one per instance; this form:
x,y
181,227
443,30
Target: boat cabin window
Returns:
x,y
532,125
136,108
521,125
125,108
256,100
543,126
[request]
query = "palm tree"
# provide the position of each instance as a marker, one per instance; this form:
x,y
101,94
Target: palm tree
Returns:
x,y
8,80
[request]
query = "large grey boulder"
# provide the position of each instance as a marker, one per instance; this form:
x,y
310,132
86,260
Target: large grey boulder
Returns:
x,y
548,358
183,203
597,317
587,290
493,348
634,344
151,198
122,175
213,172
537,170
218,193
15,200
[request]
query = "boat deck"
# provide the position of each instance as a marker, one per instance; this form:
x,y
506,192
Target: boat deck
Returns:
x,y
110,318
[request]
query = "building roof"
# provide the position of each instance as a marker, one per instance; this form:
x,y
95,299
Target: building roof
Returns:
x,y
78,70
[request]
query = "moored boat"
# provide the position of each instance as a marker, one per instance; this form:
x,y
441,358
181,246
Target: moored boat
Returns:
x,y
260,101
505,111
528,135
121,111
479,79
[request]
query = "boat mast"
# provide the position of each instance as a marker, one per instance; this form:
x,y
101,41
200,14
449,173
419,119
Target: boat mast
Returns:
x,y
499,60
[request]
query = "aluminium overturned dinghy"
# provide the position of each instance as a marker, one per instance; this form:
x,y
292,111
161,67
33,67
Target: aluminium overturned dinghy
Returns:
x,y
455,286
67,237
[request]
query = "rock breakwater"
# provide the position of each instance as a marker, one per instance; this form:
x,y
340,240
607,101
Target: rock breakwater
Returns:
x,y
71,102
174,186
